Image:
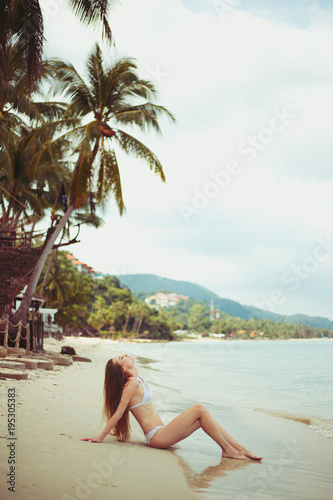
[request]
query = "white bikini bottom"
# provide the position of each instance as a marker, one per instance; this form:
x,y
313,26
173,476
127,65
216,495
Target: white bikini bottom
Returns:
x,y
150,434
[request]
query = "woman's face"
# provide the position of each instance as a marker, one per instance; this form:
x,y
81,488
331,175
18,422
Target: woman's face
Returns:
x,y
125,361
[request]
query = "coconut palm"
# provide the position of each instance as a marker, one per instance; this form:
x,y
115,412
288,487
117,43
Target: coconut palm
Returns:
x,y
15,103
26,127
25,193
22,21
108,96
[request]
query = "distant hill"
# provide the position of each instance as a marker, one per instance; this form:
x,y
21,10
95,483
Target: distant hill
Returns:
x,y
149,283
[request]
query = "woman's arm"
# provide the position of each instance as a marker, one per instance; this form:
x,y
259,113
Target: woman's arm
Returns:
x,y
127,394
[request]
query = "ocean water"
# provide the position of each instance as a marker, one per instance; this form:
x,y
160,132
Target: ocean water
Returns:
x,y
291,379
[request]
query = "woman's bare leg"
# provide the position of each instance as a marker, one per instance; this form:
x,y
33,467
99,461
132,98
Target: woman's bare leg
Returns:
x,y
190,431
187,423
235,444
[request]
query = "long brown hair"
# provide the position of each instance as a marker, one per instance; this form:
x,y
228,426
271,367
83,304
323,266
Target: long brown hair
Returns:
x,y
114,383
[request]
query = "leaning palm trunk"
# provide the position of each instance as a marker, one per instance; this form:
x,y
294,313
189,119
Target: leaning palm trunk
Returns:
x,y
22,313
109,96
48,270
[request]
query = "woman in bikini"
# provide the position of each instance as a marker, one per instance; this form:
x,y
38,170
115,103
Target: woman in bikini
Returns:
x,y
125,390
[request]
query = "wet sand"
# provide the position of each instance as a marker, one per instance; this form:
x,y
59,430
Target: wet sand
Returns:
x,y
55,409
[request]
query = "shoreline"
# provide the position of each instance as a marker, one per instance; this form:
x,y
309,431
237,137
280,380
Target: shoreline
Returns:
x,y
56,409
53,411
318,425
180,339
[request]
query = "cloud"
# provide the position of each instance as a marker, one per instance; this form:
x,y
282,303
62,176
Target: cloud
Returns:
x,y
226,78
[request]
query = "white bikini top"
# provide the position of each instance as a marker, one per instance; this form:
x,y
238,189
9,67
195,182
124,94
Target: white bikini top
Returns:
x,y
147,393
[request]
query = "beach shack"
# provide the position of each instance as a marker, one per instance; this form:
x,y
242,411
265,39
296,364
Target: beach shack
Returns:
x,y
17,259
50,326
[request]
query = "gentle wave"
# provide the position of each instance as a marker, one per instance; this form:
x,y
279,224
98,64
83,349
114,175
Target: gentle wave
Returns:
x,y
290,379
321,426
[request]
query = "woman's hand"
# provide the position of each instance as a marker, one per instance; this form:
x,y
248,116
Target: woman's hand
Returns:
x,y
93,440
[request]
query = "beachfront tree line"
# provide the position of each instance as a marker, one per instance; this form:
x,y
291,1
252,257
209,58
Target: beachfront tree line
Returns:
x,y
194,316
104,308
99,307
58,152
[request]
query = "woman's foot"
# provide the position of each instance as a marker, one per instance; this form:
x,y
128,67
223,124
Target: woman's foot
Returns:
x,y
233,453
250,454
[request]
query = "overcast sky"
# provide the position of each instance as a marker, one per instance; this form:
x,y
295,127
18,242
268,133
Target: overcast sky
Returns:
x,y
247,209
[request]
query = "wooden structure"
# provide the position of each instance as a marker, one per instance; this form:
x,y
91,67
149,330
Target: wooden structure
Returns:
x,y
17,261
18,258
50,327
28,336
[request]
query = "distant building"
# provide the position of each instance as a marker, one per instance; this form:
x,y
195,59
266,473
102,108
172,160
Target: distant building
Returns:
x,y
82,267
181,332
164,299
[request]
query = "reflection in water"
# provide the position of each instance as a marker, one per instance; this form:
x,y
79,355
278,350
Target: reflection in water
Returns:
x,y
201,481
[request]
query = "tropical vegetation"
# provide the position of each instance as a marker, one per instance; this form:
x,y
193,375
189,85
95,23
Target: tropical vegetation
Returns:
x,y
102,307
83,127
145,285
58,165
22,24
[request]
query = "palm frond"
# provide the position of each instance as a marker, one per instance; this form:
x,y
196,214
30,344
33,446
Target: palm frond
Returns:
x,y
132,146
92,11
88,219
6,150
42,138
13,122
109,179
51,111
25,24
70,84
139,88
32,200
118,75
96,74
82,174
145,116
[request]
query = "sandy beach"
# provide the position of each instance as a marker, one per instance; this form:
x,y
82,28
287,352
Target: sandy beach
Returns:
x,y
55,409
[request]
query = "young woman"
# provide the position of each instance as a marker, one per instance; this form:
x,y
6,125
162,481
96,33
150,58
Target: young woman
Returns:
x,y
125,390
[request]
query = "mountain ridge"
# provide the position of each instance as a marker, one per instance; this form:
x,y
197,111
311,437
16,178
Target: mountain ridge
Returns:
x,y
149,283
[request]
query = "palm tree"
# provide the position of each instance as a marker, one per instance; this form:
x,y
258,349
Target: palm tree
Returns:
x,y
15,103
26,127
26,195
22,21
59,281
67,290
108,96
